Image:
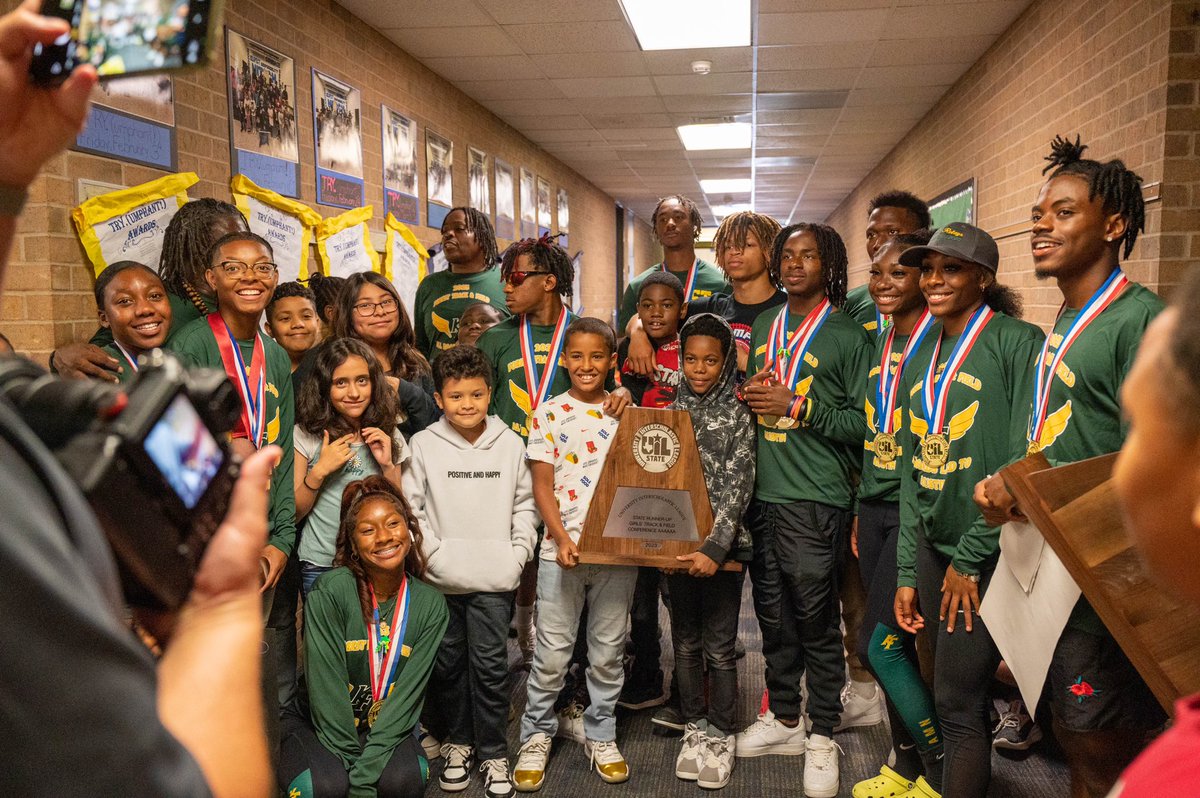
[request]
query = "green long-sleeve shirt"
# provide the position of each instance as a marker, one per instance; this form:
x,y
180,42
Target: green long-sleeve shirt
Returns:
x,y
441,299
196,346
709,280
817,461
881,478
338,675
986,414
861,307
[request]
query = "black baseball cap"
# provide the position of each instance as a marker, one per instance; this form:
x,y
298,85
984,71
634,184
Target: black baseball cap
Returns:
x,y
957,240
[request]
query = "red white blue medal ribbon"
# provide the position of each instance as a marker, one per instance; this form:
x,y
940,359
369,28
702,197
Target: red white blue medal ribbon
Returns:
x,y
251,383
937,387
386,649
539,385
1044,378
129,357
882,322
889,383
690,283
785,354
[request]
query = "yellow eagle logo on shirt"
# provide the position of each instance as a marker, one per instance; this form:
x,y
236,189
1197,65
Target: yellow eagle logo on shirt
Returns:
x,y
872,423
273,428
519,397
441,325
803,386
1055,425
960,424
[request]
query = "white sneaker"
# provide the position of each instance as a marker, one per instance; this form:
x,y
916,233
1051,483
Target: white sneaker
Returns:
x,y
718,761
687,764
530,770
496,783
768,736
456,772
430,744
570,723
607,759
821,767
862,705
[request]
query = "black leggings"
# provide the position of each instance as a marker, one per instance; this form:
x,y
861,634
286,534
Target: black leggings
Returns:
x,y
964,665
312,771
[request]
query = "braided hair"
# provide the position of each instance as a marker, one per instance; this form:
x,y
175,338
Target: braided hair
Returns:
x,y
1118,185
355,495
186,243
480,226
545,255
734,228
689,206
830,248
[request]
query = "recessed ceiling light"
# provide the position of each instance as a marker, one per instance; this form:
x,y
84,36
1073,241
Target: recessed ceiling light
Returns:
x,y
724,136
737,185
703,23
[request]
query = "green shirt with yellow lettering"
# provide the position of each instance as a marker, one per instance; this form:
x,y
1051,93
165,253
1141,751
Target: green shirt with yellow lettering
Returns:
x,y
441,299
510,391
861,307
338,675
987,410
818,460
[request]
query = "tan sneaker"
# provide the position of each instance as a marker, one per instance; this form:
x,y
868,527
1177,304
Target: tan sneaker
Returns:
x,y
530,770
607,758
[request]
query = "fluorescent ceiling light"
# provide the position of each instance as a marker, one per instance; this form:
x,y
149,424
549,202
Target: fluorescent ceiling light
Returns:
x,y
725,136
721,211
698,23
737,185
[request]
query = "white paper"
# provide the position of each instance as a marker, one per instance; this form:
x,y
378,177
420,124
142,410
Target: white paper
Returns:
x,y
406,269
347,252
1026,625
286,234
1022,545
138,234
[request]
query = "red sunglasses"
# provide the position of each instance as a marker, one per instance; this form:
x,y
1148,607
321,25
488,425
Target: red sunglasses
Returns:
x,y
516,278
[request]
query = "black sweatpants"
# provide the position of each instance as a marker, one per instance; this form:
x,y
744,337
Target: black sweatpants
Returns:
x,y
964,665
313,771
797,558
704,626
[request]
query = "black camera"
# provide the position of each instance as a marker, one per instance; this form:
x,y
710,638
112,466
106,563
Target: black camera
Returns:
x,y
153,463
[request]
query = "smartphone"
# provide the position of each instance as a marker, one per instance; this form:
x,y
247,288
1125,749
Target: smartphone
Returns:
x,y
126,37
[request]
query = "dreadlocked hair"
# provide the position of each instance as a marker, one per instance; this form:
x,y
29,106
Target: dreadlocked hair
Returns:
x,y
735,227
485,236
693,214
830,248
1119,185
346,553
186,242
903,199
407,362
326,290
544,256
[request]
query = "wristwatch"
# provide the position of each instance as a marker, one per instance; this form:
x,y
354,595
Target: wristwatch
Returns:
x,y
969,577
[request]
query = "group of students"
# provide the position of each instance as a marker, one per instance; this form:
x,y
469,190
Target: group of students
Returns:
x,y
440,468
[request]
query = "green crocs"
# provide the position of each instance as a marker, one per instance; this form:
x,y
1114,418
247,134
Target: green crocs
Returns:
x,y
888,784
921,790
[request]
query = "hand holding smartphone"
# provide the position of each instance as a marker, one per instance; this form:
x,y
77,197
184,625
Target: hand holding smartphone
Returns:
x,y
126,37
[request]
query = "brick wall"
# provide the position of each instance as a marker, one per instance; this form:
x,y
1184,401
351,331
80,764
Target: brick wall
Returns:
x,y
1099,69
1180,247
47,301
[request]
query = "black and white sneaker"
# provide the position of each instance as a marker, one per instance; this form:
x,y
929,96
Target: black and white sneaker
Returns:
x,y
496,783
1015,731
456,772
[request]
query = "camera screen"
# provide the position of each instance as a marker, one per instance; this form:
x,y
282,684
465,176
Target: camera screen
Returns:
x,y
120,36
184,450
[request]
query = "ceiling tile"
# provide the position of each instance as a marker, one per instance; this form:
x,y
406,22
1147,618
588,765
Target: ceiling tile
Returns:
x,y
513,67
510,89
808,80
641,134
679,62
726,83
549,122
799,100
630,120
821,27
419,13
925,75
944,50
561,136
452,42
590,65
805,116
605,87
617,105
926,95
721,104
783,58
575,37
513,12
930,21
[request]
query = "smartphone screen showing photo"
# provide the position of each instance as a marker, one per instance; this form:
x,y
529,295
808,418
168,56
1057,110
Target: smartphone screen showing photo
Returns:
x,y
184,450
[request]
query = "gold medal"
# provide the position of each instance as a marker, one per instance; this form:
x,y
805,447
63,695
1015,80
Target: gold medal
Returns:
x,y
885,447
780,422
373,712
1033,448
935,450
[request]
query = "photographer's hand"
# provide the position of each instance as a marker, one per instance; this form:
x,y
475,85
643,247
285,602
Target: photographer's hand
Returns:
x,y
216,651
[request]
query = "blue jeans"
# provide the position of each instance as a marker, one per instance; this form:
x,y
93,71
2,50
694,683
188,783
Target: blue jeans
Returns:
x,y
309,574
561,594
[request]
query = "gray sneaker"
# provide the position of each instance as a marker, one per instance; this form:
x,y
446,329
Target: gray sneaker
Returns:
x,y
687,764
719,751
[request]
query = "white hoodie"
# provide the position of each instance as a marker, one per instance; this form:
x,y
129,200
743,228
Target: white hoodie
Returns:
x,y
475,506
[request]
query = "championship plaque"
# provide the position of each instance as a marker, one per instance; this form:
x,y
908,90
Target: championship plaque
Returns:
x,y
651,503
